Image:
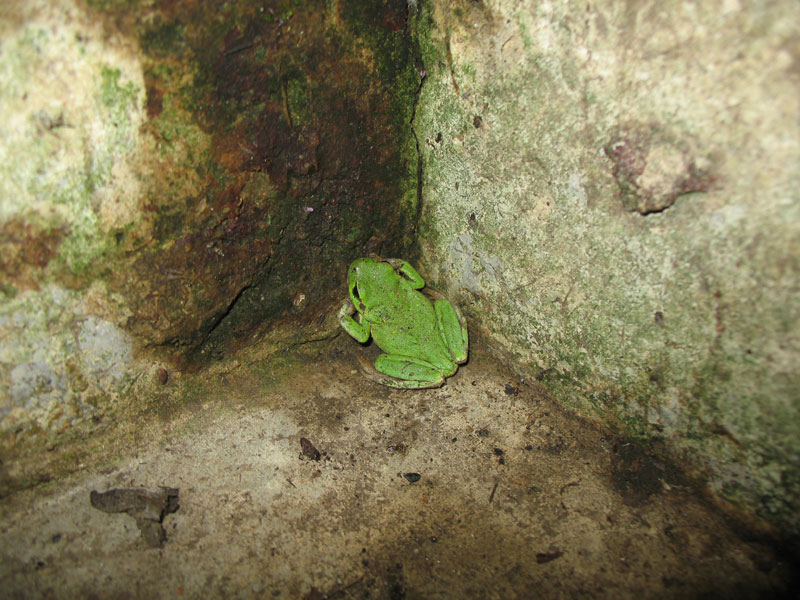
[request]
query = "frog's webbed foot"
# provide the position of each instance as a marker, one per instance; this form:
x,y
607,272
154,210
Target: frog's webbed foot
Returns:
x,y
407,384
369,371
357,329
346,310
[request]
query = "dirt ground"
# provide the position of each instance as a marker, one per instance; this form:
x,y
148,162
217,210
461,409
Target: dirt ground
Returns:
x,y
321,484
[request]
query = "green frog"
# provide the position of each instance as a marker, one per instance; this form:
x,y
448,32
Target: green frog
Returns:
x,y
424,339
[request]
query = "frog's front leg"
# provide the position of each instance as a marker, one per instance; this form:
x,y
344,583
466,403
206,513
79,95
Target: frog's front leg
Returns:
x,y
408,372
357,329
453,330
410,273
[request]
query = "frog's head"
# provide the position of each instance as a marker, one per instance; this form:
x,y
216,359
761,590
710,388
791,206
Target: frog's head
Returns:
x,y
366,280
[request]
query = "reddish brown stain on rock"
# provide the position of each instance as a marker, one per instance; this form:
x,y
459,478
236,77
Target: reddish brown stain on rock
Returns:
x,y
25,251
653,167
309,158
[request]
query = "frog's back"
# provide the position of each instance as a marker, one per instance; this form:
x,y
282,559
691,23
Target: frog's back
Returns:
x,y
409,328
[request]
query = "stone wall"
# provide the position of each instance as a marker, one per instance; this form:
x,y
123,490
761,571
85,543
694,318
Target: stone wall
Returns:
x,y
612,192
176,178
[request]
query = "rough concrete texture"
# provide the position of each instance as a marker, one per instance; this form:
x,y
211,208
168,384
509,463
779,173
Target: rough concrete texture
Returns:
x,y
612,192
485,488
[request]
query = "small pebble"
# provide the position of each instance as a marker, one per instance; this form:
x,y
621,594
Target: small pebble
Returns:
x,y
309,451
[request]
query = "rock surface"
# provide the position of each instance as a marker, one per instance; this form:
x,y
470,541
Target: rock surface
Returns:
x,y
612,192
177,177
485,488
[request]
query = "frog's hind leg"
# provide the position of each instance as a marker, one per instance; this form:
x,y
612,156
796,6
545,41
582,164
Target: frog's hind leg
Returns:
x,y
453,329
407,372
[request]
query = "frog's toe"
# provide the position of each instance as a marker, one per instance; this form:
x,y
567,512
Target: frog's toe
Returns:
x,y
346,309
410,385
